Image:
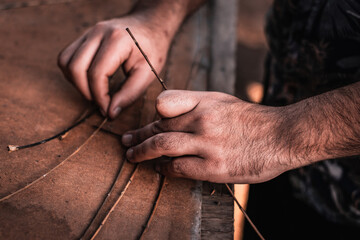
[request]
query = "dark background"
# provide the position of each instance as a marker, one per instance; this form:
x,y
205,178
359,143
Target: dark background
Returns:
x,y
271,206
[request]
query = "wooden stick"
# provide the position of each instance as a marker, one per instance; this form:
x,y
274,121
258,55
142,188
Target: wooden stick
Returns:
x,y
61,135
165,88
83,115
57,166
244,212
108,131
156,203
116,203
147,60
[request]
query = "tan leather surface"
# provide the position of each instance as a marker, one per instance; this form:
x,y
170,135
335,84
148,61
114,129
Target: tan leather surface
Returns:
x,y
36,102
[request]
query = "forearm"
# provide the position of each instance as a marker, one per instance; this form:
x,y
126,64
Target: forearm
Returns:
x,y
322,127
166,15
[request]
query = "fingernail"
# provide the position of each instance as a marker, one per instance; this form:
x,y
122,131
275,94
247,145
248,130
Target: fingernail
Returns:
x,y
103,112
126,139
116,111
129,154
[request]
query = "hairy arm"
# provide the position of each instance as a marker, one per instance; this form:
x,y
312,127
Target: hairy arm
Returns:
x,y
95,56
321,127
217,137
165,15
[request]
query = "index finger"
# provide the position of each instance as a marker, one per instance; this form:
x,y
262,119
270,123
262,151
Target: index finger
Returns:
x,y
111,54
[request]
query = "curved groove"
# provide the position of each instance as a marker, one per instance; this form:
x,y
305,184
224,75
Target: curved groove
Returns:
x,y
105,200
12,148
57,166
156,203
115,204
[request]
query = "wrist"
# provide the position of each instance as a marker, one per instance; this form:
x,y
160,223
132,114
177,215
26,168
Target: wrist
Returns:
x,y
285,139
263,139
300,134
162,17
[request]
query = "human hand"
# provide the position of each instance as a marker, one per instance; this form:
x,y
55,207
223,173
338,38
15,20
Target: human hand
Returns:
x,y
90,60
210,136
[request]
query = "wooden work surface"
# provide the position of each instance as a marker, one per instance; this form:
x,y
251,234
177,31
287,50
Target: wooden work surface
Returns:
x,y
37,102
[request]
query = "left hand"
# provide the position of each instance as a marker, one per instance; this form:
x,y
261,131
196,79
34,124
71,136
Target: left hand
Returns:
x,y
95,56
210,136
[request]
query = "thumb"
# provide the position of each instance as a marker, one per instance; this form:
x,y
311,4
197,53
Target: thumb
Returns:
x,y
172,103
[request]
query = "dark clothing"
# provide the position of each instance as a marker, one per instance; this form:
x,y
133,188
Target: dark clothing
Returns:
x,y
314,48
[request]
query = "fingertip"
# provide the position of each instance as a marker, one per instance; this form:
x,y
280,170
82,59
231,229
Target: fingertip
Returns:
x,y
88,96
130,154
133,88
114,112
172,103
99,88
102,112
165,169
103,105
103,108
123,98
127,139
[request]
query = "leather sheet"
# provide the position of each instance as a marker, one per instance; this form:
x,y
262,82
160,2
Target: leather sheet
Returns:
x,y
37,102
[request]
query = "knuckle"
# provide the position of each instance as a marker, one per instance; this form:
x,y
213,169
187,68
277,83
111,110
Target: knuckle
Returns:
x,y
62,61
128,99
177,167
93,74
99,26
203,120
217,95
160,143
115,34
139,151
73,68
142,150
156,128
98,29
207,124
216,162
137,137
169,124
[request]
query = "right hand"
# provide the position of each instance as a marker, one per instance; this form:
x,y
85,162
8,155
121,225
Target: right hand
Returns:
x,y
212,136
90,60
